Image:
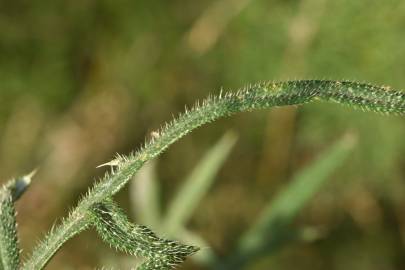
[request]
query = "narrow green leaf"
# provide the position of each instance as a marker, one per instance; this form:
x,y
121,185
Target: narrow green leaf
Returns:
x,y
280,212
197,184
145,194
115,229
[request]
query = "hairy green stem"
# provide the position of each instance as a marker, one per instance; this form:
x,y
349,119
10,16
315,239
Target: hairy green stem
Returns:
x,y
258,96
74,224
9,251
9,193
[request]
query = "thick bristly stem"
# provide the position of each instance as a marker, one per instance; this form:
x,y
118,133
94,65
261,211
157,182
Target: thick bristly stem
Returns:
x,y
9,251
259,96
9,193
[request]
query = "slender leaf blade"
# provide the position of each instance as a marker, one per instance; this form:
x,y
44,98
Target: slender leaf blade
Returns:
x,y
197,184
281,211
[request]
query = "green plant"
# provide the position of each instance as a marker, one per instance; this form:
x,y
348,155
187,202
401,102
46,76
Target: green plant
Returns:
x,y
271,230
97,208
145,196
269,233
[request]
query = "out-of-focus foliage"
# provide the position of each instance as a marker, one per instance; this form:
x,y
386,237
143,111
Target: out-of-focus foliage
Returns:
x,y
81,80
145,196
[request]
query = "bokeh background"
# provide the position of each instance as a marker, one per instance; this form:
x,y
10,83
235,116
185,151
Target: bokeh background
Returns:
x,y
83,80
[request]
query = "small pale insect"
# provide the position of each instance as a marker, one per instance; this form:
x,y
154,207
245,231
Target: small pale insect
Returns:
x,y
112,163
115,163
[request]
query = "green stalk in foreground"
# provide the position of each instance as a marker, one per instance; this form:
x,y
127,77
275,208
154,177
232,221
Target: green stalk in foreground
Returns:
x,y
259,96
9,193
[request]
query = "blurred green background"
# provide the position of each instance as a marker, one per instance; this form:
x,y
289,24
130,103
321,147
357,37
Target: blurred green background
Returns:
x,y
83,80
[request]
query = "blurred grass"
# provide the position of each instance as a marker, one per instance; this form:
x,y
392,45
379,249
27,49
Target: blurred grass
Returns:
x,y
197,184
145,196
273,230
82,80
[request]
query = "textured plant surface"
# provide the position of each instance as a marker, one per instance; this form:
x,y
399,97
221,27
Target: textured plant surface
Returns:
x,y
138,240
98,210
9,193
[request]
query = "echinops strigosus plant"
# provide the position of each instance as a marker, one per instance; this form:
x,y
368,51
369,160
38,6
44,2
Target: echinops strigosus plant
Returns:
x,y
97,209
